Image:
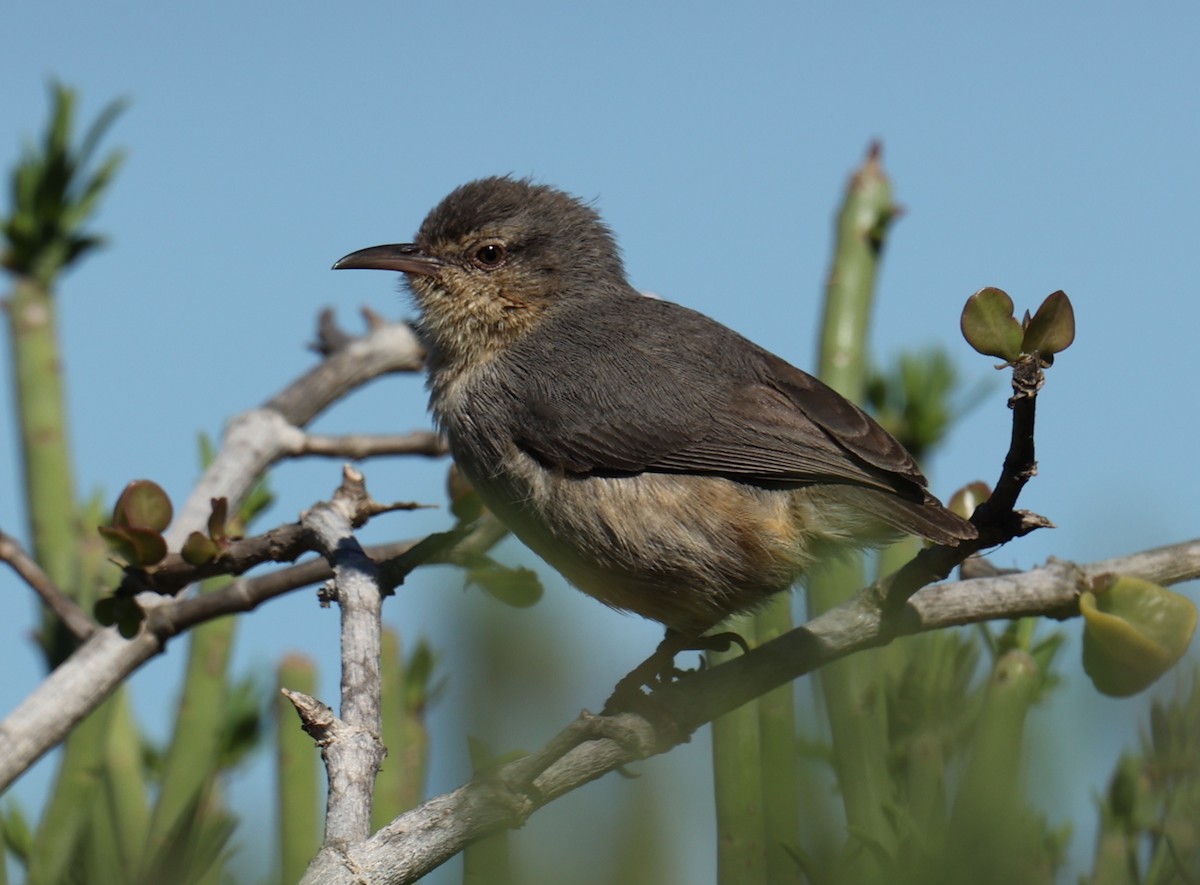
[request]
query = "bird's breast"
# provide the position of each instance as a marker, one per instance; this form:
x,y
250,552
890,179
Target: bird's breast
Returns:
x,y
682,550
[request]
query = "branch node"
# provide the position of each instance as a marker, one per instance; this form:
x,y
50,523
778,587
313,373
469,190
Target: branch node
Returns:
x,y
330,336
316,718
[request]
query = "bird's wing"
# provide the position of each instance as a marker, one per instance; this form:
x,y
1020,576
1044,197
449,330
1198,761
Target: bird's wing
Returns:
x,y
785,426
658,403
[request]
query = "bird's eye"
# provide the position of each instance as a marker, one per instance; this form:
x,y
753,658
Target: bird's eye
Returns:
x,y
490,255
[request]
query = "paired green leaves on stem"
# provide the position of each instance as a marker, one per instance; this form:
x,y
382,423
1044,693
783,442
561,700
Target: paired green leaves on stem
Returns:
x,y
990,327
142,513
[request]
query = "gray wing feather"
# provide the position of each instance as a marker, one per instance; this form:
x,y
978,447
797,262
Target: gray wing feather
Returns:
x,y
680,393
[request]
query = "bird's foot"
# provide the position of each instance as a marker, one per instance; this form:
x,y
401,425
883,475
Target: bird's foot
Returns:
x,y
659,669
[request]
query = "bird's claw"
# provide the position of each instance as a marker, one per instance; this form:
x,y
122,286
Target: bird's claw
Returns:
x,y
659,669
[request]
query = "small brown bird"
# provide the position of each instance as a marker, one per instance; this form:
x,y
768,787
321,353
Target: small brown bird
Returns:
x,y
660,461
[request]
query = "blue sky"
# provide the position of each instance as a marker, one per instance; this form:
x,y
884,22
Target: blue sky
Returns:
x,y
1034,146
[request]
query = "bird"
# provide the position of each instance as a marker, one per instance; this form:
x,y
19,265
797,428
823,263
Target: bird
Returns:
x,y
660,461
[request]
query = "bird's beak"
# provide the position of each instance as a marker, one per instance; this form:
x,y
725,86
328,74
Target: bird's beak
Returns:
x,y
404,257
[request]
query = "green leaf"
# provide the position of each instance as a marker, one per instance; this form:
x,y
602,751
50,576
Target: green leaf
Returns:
x,y
398,567
913,398
483,759
1052,329
58,136
106,610
465,503
16,832
1134,631
518,587
241,724
143,505
1126,790
989,326
81,207
218,517
199,549
54,193
1044,654
24,188
101,125
136,547
208,452
258,499
130,622
123,611
119,543
418,673
77,246
150,547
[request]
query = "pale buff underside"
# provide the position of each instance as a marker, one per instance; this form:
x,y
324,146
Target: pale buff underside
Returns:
x,y
627,542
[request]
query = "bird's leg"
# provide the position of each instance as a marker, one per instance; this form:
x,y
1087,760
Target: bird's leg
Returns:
x,y
721,642
659,668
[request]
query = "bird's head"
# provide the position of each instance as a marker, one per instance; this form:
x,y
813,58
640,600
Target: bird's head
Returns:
x,y
493,257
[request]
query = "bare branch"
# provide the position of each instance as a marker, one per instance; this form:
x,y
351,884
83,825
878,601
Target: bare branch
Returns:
x,y
331,337
257,439
252,442
73,617
996,518
360,446
248,593
281,544
354,751
419,840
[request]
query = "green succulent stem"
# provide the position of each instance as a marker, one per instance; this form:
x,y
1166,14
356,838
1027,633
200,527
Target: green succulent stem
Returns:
x,y
192,758
854,704
46,467
53,195
489,860
860,231
100,856
126,787
54,192
66,820
54,188
778,759
850,689
296,761
989,809
401,781
738,776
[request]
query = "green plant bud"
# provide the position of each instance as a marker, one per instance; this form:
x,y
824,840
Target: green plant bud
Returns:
x,y
966,499
218,518
199,549
1134,631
